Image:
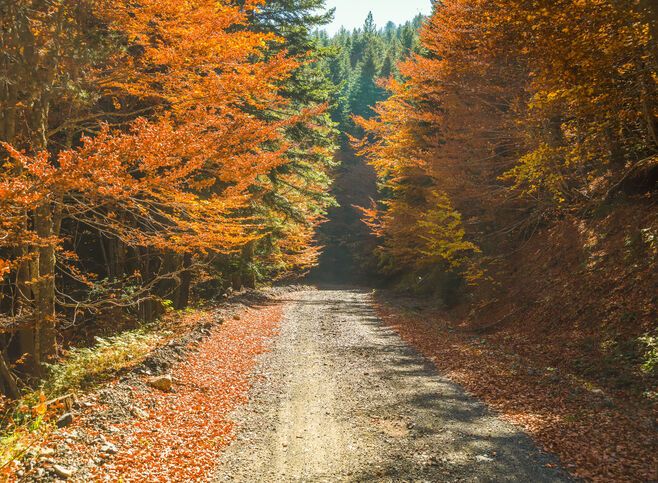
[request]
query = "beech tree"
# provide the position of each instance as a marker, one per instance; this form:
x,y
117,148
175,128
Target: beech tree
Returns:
x,y
45,55
512,113
135,127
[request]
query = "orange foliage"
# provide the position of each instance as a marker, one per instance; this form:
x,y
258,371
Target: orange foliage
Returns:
x,y
513,108
173,180
180,89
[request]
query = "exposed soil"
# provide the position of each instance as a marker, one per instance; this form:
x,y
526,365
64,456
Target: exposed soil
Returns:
x,y
342,398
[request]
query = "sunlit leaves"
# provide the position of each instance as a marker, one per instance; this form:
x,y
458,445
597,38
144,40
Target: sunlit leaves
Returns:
x,y
543,103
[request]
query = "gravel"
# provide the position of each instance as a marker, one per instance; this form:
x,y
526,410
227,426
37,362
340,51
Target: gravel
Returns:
x,y
99,412
342,398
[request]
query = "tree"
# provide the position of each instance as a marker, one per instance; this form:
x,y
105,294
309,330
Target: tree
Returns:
x,y
43,63
293,198
173,181
511,113
360,61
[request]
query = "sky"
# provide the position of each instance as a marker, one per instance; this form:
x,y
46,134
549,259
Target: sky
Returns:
x,y
352,13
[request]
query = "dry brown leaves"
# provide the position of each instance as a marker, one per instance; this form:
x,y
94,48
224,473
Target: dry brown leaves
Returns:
x,y
185,430
596,437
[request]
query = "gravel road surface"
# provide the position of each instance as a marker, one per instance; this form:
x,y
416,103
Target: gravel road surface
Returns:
x,y
342,398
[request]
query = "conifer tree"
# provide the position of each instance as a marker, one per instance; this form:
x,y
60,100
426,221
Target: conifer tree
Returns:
x,y
293,199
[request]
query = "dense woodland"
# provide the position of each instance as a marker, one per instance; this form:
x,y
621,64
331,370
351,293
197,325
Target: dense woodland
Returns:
x,y
150,149
158,149
160,153
513,114
495,165
517,162
360,60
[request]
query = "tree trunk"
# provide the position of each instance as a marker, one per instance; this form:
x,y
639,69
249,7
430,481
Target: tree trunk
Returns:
x,y
236,281
649,8
9,114
23,300
648,100
46,221
8,379
44,292
149,309
617,157
248,274
182,297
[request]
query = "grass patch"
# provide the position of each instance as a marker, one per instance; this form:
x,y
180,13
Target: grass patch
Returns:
x,y
650,356
83,368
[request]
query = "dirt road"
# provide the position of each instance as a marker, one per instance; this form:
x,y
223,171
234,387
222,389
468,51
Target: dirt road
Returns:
x,y
342,398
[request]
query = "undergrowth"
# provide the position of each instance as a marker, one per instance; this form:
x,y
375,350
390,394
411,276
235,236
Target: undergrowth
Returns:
x,y
24,422
650,358
85,367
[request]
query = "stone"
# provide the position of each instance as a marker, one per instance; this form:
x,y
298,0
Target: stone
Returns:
x,y
163,383
47,452
140,413
63,471
109,448
65,420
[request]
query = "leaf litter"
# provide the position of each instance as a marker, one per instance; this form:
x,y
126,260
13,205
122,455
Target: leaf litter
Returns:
x,y
597,437
130,431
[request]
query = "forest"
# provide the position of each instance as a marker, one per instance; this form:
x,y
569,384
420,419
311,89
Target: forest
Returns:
x,y
151,148
145,160
495,163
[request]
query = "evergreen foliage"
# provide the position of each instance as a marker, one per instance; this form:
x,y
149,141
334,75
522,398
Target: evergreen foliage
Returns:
x,y
362,58
361,62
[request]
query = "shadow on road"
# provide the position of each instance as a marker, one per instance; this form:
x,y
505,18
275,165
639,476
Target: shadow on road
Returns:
x,y
476,445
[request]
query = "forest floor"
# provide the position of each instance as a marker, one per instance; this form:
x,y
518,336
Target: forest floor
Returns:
x,y
598,433
310,385
128,430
